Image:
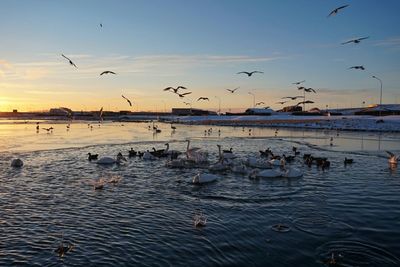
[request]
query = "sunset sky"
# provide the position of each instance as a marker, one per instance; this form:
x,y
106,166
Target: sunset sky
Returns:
x,y
197,44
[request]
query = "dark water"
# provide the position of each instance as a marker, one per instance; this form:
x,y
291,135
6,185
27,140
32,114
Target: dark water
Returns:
x,y
146,219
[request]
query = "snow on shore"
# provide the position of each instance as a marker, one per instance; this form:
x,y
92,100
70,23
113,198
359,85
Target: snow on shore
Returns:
x,y
356,123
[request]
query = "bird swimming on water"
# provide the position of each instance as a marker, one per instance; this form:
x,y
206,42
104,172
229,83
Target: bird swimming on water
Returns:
x,y
250,73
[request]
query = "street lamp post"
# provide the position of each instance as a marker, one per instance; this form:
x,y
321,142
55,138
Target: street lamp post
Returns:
x,y
380,82
219,104
254,99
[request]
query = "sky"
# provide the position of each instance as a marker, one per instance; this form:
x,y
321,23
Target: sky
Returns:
x,y
197,44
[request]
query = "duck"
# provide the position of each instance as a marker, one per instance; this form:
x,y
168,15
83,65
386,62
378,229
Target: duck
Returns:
x,y
110,160
199,220
228,154
393,159
99,184
132,153
202,178
61,250
288,159
17,163
348,161
92,156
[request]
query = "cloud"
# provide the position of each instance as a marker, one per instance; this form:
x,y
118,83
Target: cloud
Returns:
x,y
389,42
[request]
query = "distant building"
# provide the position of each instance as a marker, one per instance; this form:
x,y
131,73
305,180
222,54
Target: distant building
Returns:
x,y
15,111
291,109
259,111
380,110
191,111
60,112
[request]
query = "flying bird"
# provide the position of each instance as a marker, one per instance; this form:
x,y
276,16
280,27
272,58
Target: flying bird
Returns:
x,y
203,98
250,73
232,90
259,103
183,95
357,68
292,97
336,10
130,103
175,90
356,41
297,83
186,103
70,61
305,102
309,90
281,102
107,72
101,25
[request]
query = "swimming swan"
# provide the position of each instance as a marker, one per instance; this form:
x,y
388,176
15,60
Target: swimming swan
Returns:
x,y
202,178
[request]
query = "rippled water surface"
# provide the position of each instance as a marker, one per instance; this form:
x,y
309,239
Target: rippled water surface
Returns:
x,y
350,213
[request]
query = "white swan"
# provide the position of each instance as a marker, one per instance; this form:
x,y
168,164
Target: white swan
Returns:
x,y
17,163
292,173
393,159
257,163
110,160
268,173
195,155
202,178
241,169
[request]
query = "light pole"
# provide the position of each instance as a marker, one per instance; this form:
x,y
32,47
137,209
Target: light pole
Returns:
x,y
219,104
254,99
380,81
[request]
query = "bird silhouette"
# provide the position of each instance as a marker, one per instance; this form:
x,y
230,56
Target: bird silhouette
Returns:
x,y
250,73
101,25
175,90
107,72
48,129
357,67
293,97
308,90
297,83
186,103
305,102
203,98
70,61
130,103
259,103
281,102
232,90
336,10
356,41
183,94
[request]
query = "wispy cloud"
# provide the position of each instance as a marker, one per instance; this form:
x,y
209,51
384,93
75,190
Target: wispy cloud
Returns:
x,y
389,42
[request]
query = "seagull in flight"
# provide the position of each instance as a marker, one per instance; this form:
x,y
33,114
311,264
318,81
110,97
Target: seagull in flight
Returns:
x,y
130,103
101,25
107,72
259,103
70,61
357,68
297,83
336,10
175,90
281,102
183,95
356,41
232,90
305,102
308,90
250,73
203,98
292,97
